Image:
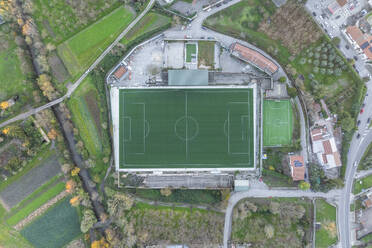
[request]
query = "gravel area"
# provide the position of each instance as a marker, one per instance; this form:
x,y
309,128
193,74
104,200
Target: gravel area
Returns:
x,y
27,184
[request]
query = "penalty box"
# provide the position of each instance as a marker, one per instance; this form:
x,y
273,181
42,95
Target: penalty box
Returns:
x,y
178,128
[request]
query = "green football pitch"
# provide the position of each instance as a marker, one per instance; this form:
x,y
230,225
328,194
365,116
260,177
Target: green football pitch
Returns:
x,y
277,122
190,52
186,128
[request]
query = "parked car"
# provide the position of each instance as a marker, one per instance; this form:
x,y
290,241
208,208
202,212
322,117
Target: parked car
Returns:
x,y
361,111
314,14
337,17
358,122
358,135
347,47
356,58
368,120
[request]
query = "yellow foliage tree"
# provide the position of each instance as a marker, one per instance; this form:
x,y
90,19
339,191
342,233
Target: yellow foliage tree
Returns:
x,y
70,186
6,130
100,244
75,171
52,134
74,201
4,105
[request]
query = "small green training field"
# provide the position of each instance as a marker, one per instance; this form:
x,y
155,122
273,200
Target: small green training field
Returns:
x,y
56,228
277,122
190,52
186,128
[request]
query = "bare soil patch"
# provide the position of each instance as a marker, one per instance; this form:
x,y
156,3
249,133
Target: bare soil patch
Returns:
x,y
91,100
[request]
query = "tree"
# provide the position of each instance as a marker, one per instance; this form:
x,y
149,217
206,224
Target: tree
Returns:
x,y
282,79
88,220
336,41
74,201
304,185
166,192
75,171
302,61
269,231
292,92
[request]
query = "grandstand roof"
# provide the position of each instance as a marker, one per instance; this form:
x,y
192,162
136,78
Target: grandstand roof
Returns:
x,y
254,57
187,77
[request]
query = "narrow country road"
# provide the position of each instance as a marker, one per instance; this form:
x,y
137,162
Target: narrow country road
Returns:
x,y
74,86
265,193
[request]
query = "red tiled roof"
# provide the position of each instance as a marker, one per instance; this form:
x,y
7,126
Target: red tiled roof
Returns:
x,y
298,172
368,203
360,38
255,57
337,158
325,160
342,2
327,147
120,72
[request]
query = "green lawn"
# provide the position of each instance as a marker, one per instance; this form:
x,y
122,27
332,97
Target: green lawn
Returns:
x,y
84,119
82,49
13,80
361,184
277,123
206,53
190,52
148,24
326,215
186,128
10,238
56,228
23,212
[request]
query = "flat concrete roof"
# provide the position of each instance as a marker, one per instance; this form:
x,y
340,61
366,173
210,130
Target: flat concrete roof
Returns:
x,y
187,77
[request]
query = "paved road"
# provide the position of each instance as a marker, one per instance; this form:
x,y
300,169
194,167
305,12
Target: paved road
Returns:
x,y
262,193
363,173
74,86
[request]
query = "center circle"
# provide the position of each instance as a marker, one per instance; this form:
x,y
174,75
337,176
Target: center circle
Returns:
x,y
186,128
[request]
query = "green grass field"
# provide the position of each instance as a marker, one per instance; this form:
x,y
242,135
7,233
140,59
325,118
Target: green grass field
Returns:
x,y
84,119
150,22
82,49
186,128
361,184
190,52
326,215
206,53
57,227
277,123
10,238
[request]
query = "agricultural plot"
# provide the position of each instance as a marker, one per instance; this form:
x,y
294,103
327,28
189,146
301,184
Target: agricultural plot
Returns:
x,y
149,24
186,128
28,183
56,228
276,222
206,51
81,49
277,122
191,52
58,20
35,201
175,225
10,238
326,216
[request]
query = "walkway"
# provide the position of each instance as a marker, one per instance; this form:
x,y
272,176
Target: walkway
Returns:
x,y
74,86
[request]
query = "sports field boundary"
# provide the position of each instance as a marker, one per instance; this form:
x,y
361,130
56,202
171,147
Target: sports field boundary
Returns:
x,y
115,96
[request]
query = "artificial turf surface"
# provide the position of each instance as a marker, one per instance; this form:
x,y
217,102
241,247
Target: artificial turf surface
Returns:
x,y
190,52
186,128
277,122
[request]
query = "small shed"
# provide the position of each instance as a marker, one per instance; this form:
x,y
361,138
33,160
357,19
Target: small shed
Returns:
x,y
241,185
187,77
